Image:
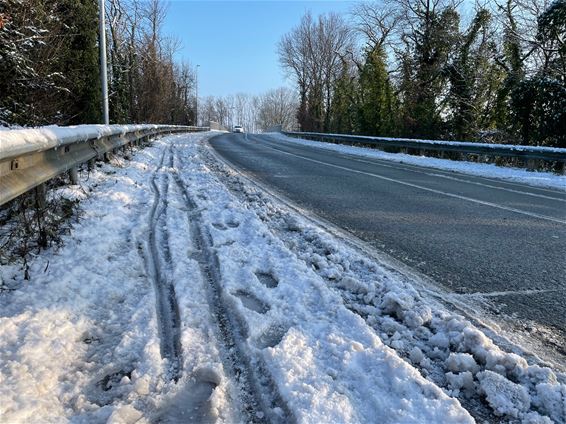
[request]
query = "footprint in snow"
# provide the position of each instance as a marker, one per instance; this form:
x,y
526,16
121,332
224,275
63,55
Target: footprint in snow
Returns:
x,y
271,337
267,279
230,224
193,402
251,302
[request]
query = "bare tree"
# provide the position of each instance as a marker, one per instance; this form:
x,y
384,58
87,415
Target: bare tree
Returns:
x,y
278,107
246,111
377,22
311,54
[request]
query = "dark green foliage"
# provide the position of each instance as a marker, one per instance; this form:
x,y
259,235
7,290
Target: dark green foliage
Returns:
x,y
79,60
538,103
552,37
472,76
423,76
512,65
314,110
344,109
377,110
49,64
539,110
22,41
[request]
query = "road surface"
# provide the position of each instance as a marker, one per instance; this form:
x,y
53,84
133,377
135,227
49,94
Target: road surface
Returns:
x,y
473,235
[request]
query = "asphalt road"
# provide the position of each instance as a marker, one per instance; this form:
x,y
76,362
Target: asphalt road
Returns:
x,y
470,234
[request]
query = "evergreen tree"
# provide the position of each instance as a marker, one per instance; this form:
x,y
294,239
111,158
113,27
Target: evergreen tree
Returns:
x,y
344,115
471,74
79,61
377,105
423,64
24,83
512,64
552,40
538,103
538,107
49,62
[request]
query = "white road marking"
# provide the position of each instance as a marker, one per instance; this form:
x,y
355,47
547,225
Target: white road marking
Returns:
x,y
435,173
507,293
418,168
450,177
457,196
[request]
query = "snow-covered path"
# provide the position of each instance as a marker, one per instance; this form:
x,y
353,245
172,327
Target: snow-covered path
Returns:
x,y
186,294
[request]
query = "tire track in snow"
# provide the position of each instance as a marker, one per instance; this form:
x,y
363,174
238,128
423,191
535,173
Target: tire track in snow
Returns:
x,y
159,263
259,397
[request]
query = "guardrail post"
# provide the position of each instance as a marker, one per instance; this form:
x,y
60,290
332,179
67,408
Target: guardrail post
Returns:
x,y
531,165
41,196
74,175
90,164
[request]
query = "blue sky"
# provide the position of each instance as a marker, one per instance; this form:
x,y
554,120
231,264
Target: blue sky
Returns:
x,y
234,42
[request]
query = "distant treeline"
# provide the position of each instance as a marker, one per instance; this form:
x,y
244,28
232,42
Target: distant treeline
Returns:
x,y
255,112
493,72
49,64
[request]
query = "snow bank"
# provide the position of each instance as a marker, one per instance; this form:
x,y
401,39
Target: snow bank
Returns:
x,y
540,179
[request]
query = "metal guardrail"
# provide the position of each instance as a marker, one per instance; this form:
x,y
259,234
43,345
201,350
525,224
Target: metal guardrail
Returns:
x,y
531,157
30,157
275,128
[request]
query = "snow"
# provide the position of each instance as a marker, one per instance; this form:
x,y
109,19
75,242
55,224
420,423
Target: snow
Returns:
x,y
461,362
540,179
334,335
506,397
80,340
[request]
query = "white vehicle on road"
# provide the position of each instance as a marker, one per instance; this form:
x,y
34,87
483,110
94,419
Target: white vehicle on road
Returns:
x,y
238,129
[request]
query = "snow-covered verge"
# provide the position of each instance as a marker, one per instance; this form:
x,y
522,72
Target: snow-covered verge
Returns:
x,y
326,334
80,341
540,179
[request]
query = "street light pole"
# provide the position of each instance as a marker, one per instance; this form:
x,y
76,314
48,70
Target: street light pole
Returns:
x,y
102,48
196,96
